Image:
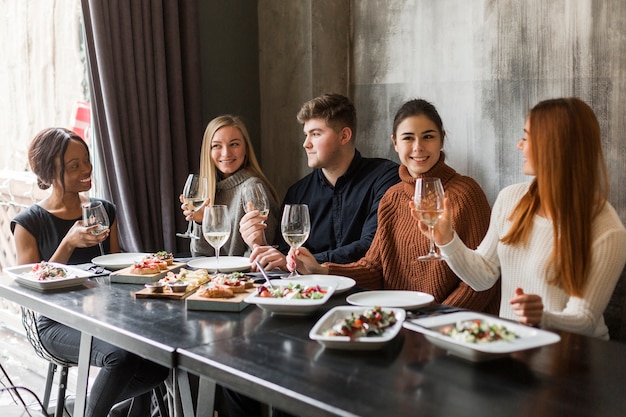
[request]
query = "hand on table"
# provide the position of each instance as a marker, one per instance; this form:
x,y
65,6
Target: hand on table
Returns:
x,y
304,262
269,257
527,307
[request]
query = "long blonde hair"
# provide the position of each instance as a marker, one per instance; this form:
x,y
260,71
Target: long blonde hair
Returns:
x,y
571,187
207,166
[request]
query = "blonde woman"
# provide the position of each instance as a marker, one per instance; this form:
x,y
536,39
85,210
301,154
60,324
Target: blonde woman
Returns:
x,y
228,162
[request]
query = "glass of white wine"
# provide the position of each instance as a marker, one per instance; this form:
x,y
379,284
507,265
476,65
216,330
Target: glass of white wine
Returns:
x,y
216,229
295,226
428,200
194,194
254,198
94,214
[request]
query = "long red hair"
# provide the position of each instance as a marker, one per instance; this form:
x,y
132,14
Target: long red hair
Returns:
x,y
571,187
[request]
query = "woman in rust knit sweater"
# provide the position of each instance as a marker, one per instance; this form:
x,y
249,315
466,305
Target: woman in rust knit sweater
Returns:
x,y
391,262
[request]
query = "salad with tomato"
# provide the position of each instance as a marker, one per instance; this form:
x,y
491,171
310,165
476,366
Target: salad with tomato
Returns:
x,y
45,270
294,291
371,322
478,331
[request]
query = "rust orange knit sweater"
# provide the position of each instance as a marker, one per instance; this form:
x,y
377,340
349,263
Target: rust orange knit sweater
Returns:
x,y
391,261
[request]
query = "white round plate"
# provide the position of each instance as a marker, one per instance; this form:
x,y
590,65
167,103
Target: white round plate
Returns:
x,y
391,298
118,260
342,284
227,264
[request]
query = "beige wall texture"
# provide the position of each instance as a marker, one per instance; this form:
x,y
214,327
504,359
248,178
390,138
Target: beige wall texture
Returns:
x,y
41,72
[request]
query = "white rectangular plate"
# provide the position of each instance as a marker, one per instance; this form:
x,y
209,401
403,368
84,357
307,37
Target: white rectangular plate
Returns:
x,y
529,337
75,277
328,320
291,306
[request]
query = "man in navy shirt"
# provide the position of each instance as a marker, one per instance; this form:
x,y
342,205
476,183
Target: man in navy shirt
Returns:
x,y
342,192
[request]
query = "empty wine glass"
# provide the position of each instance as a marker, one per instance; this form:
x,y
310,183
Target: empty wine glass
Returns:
x,y
295,226
94,214
194,194
216,229
254,198
428,200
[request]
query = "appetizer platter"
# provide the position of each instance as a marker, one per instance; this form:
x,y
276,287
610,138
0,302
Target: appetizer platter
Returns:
x,y
150,268
479,337
46,276
358,328
295,299
222,292
175,285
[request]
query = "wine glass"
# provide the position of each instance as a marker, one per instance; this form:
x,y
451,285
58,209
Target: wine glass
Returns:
x,y
216,229
254,198
295,226
194,194
428,199
94,214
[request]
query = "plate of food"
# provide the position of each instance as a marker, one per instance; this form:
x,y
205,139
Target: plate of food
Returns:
x,y
227,264
295,299
342,284
117,261
175,285
479,337
223,292
46,276
391,298
358,328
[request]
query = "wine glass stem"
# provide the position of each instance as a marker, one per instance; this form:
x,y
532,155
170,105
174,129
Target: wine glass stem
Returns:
x,y
217,259
431,229
101,248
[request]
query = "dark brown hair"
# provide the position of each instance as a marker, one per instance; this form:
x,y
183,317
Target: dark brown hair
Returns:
x,y
337,110
45,148
418,107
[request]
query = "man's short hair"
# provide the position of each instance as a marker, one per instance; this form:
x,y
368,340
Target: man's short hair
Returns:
x,y
337,110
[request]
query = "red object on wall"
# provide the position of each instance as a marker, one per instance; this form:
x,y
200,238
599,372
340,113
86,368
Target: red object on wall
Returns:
x,y
82,120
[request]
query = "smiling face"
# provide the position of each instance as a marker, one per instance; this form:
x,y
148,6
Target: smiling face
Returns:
x,y
76,166
228,150
322,144
524,146
418,142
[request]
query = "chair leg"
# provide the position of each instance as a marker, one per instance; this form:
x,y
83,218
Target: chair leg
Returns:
x,y
61,393
49,381
159,392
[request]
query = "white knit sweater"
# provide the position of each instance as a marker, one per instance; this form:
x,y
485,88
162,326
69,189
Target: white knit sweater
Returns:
x,y
524,266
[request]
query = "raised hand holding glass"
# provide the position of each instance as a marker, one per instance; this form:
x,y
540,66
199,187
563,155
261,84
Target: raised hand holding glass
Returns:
x,y
94,214
254,198
195,192
429,197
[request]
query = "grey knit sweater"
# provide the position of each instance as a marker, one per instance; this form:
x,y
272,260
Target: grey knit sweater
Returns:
x,y
229,192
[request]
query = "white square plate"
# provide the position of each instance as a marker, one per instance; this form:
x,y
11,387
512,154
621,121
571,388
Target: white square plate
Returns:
x,y
328,320
21,273
342,284
528,337
291,306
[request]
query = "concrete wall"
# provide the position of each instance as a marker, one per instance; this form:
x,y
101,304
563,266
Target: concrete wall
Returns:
x,y
482,63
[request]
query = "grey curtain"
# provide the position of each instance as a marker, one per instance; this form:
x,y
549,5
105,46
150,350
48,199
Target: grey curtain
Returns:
x,y
147,117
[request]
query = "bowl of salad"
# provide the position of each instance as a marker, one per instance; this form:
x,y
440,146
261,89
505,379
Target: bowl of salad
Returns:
x,y
479,337
358,327
301,298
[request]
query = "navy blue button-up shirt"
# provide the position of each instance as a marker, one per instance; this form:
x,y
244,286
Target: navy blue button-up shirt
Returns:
x,y
344,217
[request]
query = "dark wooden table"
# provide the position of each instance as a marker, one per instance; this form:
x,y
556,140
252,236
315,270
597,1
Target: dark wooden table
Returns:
x,y
273,359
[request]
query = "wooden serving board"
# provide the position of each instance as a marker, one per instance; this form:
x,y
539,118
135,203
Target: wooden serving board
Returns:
x,y
146,293
123,276
236,303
